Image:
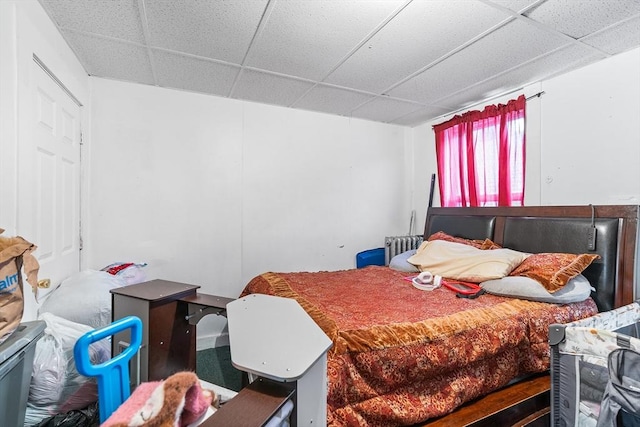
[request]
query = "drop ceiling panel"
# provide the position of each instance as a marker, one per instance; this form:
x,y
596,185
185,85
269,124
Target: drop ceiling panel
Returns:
x,y
505,48
308,38
416,57
89,16
214,29
384,109
331,99
193,73
420,116
112,59
268,88
577,18
569,58
514,5
617,39
419,35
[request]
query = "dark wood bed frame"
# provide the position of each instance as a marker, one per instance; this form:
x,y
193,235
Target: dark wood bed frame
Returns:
x,y
528,229
527,403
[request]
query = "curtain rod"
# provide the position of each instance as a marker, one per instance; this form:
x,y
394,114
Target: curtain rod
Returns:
x,y
535,95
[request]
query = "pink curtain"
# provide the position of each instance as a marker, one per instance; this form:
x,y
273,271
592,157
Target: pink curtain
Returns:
x,y
481,156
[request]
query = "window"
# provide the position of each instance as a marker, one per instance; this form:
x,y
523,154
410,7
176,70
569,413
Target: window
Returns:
x,y
481,156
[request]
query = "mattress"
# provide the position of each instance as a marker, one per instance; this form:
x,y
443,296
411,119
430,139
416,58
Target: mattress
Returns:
x,y
402,355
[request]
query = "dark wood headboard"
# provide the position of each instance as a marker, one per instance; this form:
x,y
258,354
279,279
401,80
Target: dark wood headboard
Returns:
x,y
538,229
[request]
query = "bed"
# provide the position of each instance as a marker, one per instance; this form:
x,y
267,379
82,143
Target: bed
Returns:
x,y
402,356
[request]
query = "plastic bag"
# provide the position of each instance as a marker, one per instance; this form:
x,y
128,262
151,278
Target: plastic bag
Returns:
x,y
56,386
88,417
84,298
132,273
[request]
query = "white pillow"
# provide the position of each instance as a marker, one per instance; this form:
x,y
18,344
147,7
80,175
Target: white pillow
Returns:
x,y
400,263
84,298
463,262
577,289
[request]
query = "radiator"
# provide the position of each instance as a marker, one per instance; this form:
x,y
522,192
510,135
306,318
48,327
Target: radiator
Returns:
x,y
394,245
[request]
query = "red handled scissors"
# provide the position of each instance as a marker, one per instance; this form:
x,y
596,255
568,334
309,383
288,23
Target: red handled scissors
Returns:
x,y
463,289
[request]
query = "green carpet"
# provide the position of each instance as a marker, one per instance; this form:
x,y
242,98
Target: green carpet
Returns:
x,y
214,365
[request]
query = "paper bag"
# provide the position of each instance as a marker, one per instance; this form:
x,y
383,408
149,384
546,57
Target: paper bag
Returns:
x,y
15,253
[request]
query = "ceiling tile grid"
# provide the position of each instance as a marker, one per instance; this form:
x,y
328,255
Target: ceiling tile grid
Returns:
x,y
618,38
268,88
511,45
417,36
89,16
307,39
112,59
519,6
384,109
422,115
578,18
193,73
330,99
220,30
393,61
569,57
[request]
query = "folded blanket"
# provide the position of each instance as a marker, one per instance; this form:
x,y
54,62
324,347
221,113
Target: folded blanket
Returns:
x,y
175,402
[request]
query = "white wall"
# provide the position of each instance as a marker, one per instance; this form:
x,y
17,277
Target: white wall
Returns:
x,y
583,138
212,191
591,134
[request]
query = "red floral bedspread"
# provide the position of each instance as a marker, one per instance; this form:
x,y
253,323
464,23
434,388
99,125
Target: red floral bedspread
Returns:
x,y
402,355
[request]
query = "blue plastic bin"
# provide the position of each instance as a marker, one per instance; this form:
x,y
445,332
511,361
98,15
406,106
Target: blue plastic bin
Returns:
x,y
370,257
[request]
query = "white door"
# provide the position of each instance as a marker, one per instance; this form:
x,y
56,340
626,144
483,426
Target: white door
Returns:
x,y
48,213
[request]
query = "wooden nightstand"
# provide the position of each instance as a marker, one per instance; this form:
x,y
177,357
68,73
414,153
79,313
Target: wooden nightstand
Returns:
x,y
169,312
